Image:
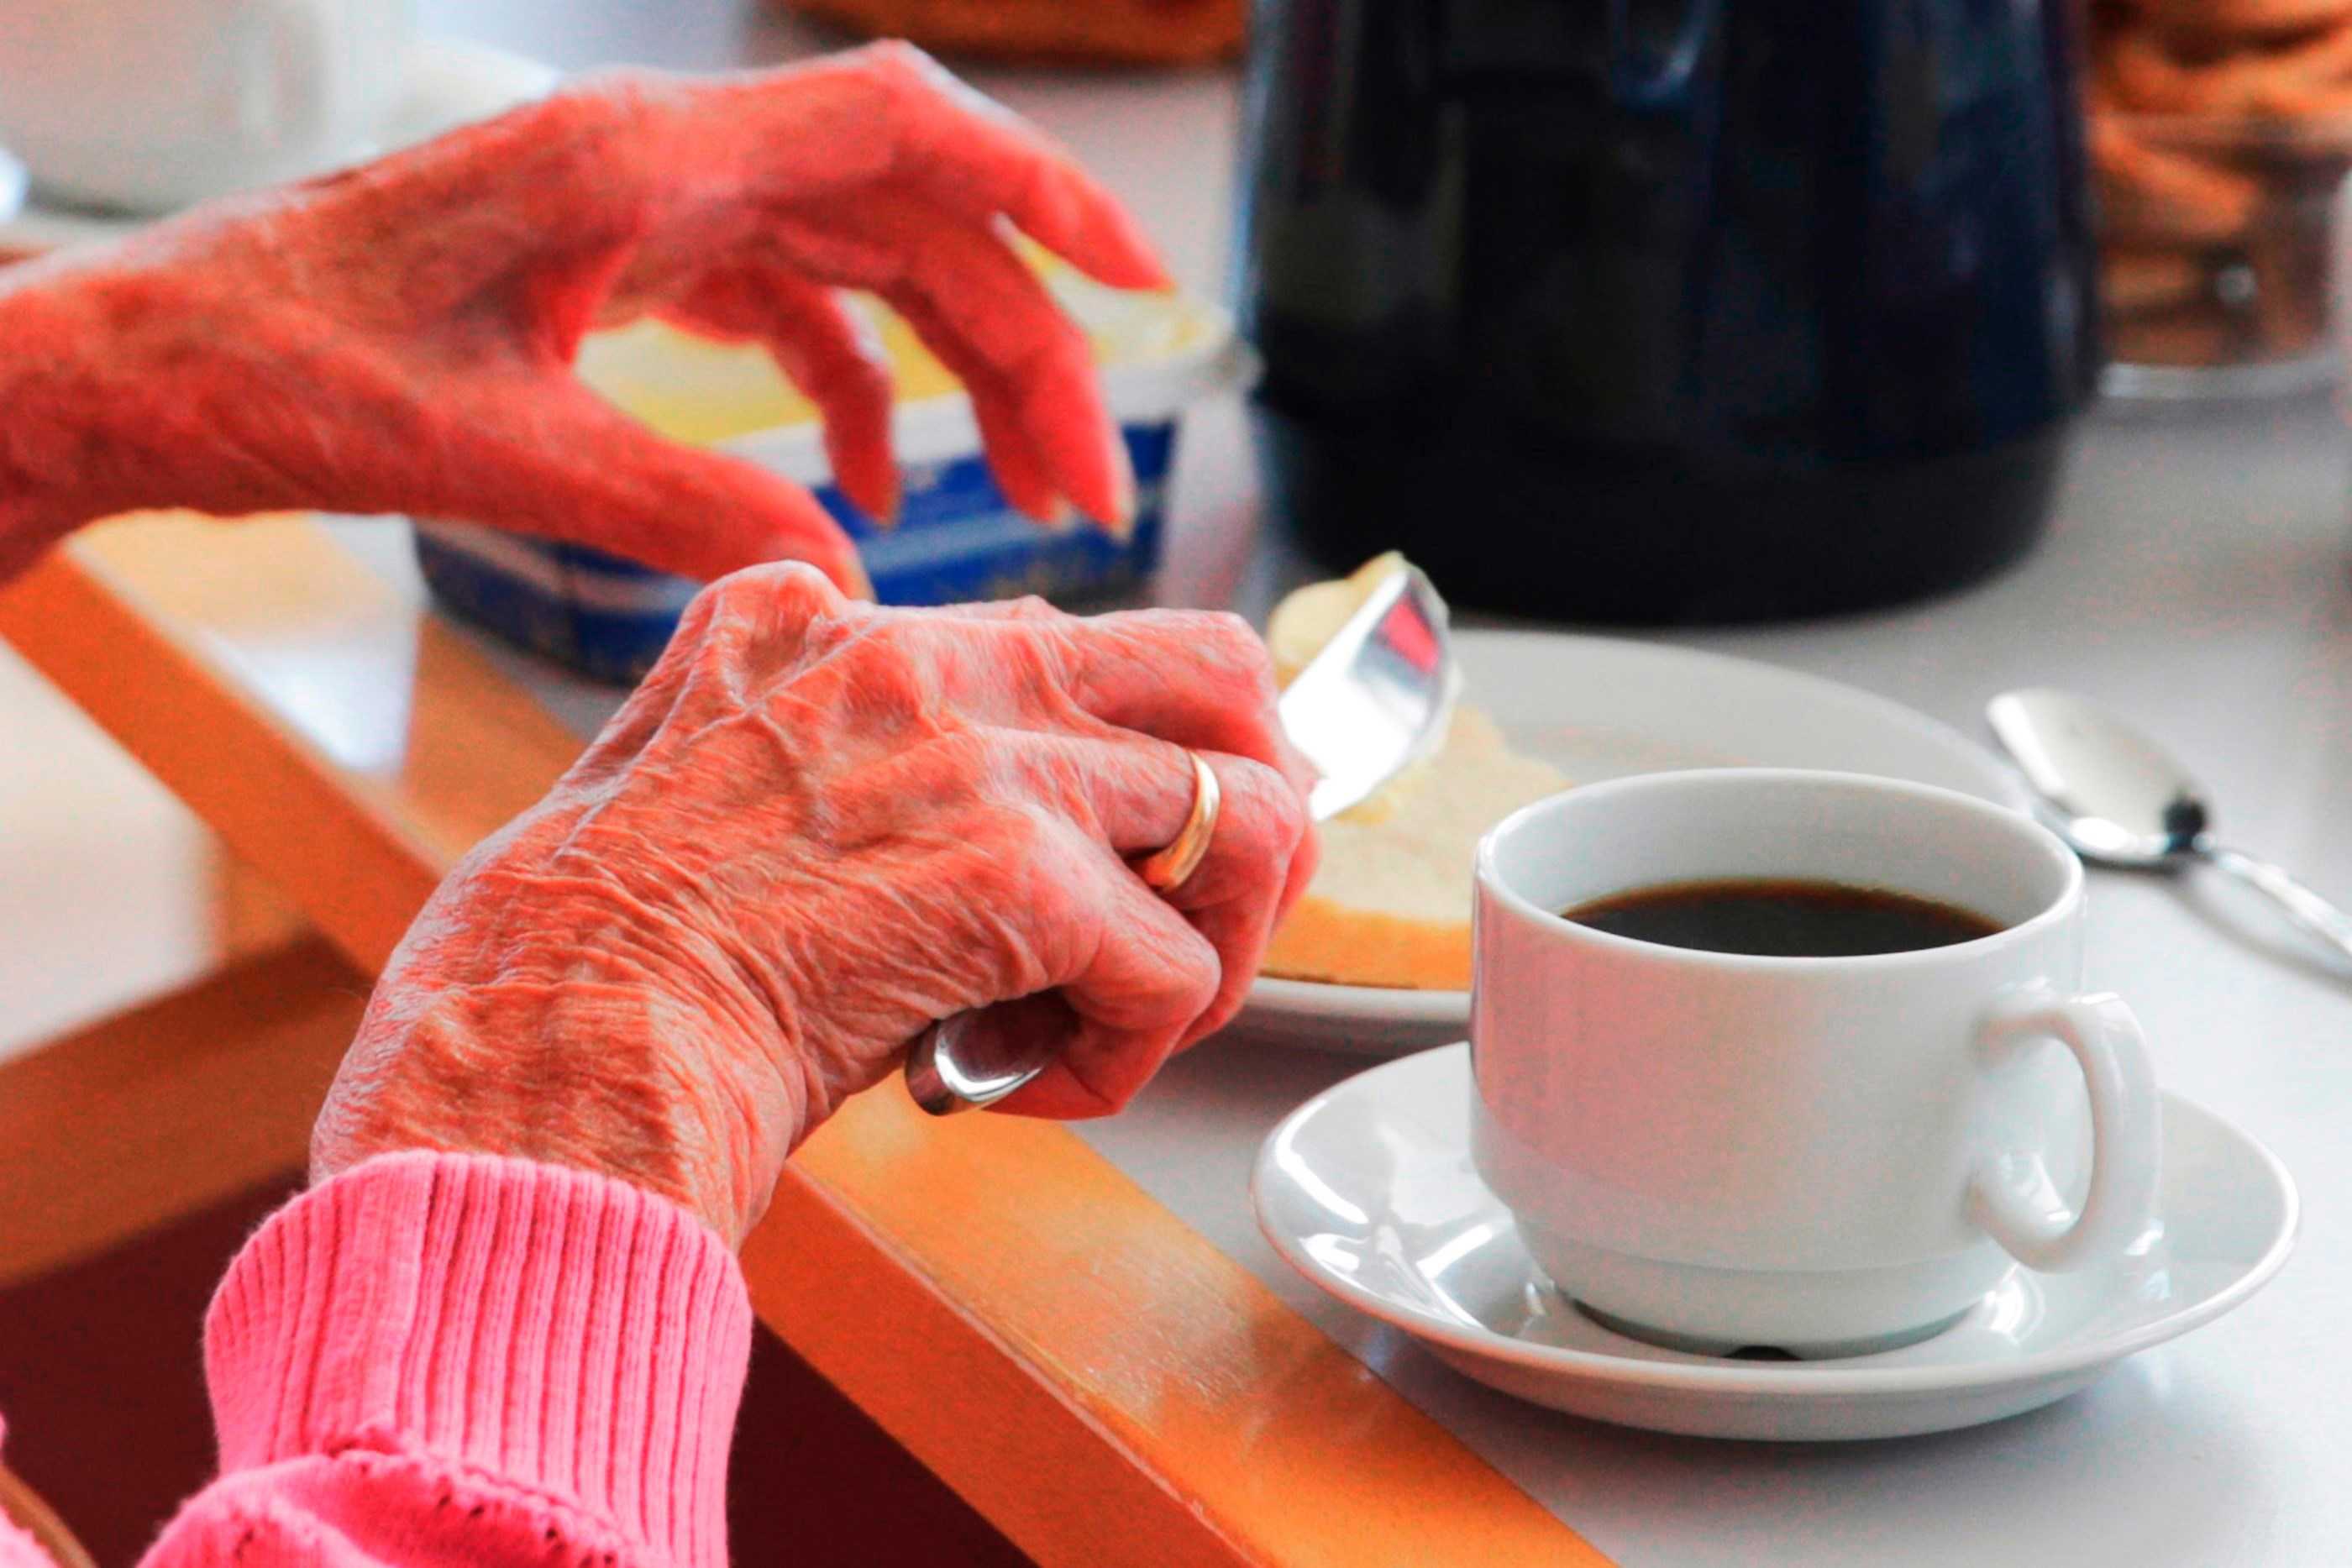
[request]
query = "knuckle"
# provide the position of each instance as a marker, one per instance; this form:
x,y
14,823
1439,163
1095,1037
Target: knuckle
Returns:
x,y
1191,627
999,665
1223,632
900,65
1030,607
1033,668
972,761
791,594
888,640
1253,668
999,843
752,623
1017,904
1043,772
879,676
1233,630
1228,646
1035,875
1026,837
630,92
798,585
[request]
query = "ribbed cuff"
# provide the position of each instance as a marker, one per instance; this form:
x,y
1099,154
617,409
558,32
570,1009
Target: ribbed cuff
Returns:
x,y
560,1332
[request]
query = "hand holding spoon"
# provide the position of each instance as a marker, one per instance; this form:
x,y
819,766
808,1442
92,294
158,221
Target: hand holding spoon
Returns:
x,y
1377,698
2116,796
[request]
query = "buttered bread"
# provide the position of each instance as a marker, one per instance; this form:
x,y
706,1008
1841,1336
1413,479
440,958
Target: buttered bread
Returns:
x,y
1389,904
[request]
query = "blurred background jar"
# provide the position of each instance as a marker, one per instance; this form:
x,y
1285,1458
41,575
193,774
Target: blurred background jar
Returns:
x,y
1684,311
2221,132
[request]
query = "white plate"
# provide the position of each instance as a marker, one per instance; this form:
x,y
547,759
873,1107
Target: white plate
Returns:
x,y
450,83
1368,1190
1601,707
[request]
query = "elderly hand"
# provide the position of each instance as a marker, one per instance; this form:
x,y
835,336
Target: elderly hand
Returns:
x,y
399,339
816,827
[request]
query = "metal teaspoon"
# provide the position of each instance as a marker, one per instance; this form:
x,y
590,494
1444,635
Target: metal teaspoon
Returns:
x,y
2121,801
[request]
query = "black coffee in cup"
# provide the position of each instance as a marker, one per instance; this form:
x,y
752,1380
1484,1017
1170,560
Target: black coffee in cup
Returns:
x,y
1782,918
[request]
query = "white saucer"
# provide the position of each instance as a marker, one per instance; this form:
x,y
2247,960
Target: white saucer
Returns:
x,y
1601,708
450,83
1368,1190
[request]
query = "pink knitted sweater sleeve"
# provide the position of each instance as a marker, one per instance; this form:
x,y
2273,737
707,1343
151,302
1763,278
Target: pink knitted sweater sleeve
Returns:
x,y
445,1358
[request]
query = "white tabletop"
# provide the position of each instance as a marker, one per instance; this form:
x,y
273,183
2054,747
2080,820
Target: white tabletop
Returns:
x,y
2199,578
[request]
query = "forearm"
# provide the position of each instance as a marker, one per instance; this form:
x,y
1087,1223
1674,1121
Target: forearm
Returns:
x,y
566,1045
183,369
63,458
582,1073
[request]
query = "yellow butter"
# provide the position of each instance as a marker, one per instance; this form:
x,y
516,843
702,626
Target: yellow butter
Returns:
x,y
702,392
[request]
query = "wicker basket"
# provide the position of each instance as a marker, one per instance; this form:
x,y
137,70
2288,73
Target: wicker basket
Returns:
x,y
1089,32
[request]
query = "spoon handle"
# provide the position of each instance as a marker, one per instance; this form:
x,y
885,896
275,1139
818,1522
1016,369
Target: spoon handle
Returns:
x,y
2308,910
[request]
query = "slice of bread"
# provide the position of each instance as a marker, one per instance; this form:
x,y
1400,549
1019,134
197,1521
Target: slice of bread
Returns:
x,y
1389,904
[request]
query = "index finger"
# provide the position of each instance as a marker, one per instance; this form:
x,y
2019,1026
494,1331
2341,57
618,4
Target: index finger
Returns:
x,y
1200,678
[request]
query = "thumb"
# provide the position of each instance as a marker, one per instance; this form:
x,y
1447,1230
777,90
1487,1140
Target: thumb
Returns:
x,y
557,462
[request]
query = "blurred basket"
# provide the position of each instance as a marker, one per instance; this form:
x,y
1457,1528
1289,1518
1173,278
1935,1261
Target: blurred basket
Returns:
x,y
1088,32
2215,251
2221,133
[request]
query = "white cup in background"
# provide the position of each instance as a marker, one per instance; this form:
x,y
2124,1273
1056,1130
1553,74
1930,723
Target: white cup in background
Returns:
x,y
1821,1155
149,105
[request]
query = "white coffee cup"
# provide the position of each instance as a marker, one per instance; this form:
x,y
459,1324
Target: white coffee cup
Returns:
x,y
149,105
1821,1155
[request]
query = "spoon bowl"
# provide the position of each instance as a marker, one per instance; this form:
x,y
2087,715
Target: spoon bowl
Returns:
x,y
2120,800
2109,789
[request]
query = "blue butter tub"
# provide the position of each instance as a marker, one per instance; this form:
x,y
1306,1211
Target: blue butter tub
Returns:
x,y
956,538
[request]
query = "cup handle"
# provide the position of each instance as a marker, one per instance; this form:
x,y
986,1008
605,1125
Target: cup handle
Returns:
x,y
2012,1197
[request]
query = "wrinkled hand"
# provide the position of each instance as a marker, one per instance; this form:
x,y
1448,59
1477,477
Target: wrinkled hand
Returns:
x,y
816,828
399,339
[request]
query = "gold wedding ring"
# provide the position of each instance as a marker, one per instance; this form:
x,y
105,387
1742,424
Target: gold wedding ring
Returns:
x,y
1166,870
